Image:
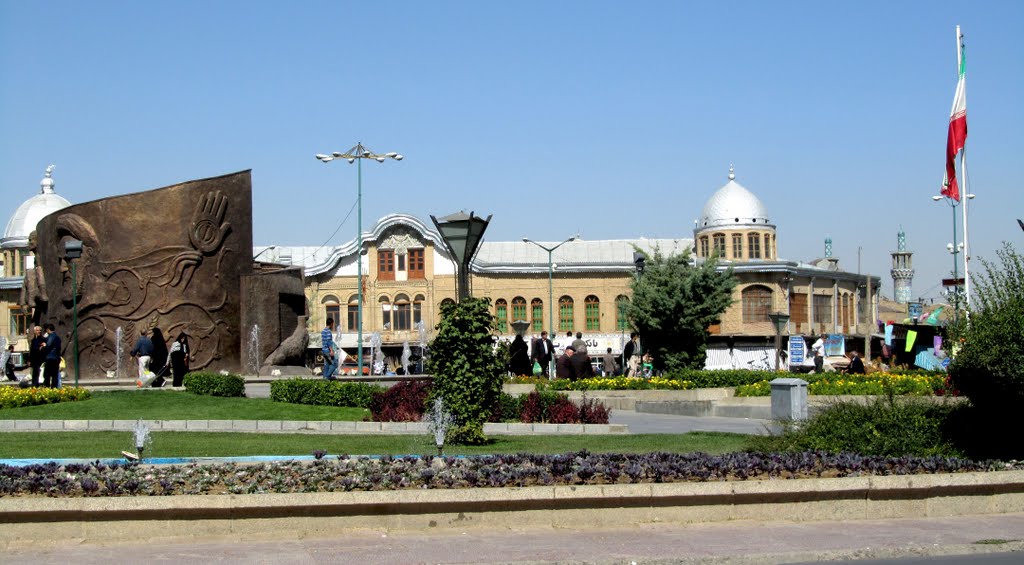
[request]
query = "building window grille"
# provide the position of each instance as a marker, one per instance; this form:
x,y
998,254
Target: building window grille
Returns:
x,y
592,310
621,310
386,265
518,309
822,309
737,246
537,307
704,251
719,242
757,303
385,313
353,313
416,264
402,314
501,314
754,245
565,314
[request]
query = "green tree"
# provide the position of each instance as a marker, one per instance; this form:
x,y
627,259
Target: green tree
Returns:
x,y
988,363
467,372
673,304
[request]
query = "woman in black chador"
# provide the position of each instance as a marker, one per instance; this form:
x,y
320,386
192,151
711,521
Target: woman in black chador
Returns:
x,y
180,356
519,362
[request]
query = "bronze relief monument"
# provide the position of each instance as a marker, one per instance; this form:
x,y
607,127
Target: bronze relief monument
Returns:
x,y
178,259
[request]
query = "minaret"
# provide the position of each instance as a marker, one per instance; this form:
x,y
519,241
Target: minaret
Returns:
x,y
833,262
902,269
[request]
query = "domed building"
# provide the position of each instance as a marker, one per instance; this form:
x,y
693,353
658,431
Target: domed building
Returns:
x,y
15,257
818,297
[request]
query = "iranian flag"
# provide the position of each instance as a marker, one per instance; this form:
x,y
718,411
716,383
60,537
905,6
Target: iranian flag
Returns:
x,y
957,126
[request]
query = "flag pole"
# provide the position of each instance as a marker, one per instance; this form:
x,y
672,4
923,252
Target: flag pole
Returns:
x,y
963,177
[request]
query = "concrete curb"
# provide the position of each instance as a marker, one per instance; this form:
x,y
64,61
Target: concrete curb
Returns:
x,y
299,427
121,519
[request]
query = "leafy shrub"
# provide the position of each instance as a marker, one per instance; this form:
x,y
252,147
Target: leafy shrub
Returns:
x,y
14,397
883,427
215,384
594,412
832,384
467,372
509,408
988,359
403,402
321,392
556,408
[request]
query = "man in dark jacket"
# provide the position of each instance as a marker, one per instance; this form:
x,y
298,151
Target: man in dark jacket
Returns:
x,y
581,367
51,358
35,353
563,367
543,351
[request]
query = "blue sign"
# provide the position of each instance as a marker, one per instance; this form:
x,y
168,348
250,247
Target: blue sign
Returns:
x,y
945,363
796,350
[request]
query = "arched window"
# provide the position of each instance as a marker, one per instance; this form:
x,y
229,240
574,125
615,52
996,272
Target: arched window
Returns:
x,y
332,310
757,303
447,302
353,313
719,244
704,250
565,314
518,309
385,313
417,309
621,309
537,311
402,315
592,310
501,314
737,246
754,245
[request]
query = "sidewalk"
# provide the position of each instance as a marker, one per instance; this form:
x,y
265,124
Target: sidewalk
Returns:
x,y
722,543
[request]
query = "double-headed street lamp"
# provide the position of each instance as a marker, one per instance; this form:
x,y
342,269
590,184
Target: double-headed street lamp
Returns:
x,y
551,270
358,153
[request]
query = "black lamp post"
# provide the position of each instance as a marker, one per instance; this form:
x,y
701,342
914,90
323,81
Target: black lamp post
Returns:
x,y
780,320
462,234
72,251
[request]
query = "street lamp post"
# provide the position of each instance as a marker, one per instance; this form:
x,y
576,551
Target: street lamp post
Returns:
x,y
551,270
358,153
780,319
462,234
954,249
72,251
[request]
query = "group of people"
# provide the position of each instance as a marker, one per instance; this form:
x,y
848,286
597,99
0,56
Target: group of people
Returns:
x,y
43,357
152,352
854,367
575,362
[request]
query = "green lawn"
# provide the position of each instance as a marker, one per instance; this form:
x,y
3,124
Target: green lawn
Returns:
x,y
208,444
153,404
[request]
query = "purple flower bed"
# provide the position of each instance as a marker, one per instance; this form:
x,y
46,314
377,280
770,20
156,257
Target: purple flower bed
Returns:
x,y
345,473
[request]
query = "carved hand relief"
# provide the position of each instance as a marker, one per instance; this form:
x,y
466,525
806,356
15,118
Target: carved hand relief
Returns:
x,y
208,226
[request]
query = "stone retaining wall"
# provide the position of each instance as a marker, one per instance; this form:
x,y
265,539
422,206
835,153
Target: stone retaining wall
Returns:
x,y
41,520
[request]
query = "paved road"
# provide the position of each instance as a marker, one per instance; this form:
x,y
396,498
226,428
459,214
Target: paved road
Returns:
x,y
725,543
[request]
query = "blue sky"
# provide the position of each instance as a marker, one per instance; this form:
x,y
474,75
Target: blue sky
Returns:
x,y
611,119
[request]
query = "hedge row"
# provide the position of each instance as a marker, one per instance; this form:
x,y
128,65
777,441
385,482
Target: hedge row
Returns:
x,y
215,384
320,392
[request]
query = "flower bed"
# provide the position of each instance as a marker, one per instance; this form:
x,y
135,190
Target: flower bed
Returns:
x,y
13,397
346,473
834,384
756,383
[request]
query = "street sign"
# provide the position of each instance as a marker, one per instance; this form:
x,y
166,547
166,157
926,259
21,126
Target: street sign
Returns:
x,y
796,350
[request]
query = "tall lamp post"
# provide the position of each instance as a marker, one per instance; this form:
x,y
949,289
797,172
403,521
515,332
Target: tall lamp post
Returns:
x,y
551,292
462,234
358,153
954,248
780,320
72,251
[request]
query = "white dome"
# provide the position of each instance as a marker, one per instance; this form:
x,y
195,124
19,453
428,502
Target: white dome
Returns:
x,y
732,206
31,211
